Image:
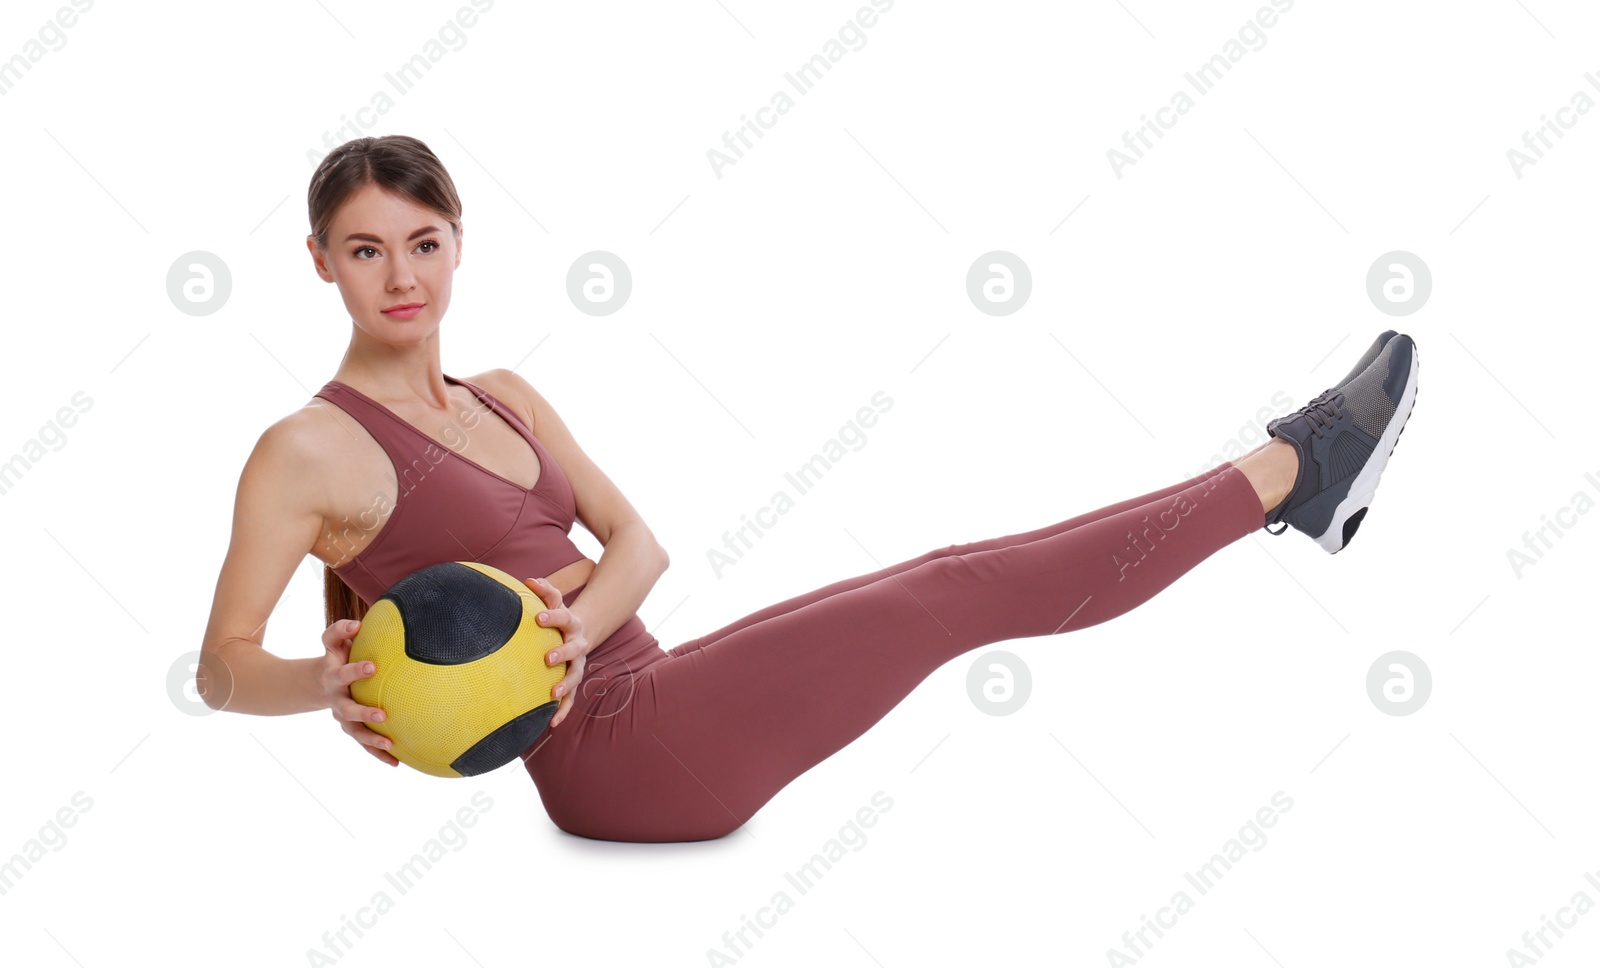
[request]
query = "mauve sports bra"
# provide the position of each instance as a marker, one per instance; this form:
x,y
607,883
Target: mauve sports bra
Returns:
x,y
451,508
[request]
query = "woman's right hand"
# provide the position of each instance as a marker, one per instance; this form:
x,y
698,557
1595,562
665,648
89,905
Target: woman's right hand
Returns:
x,y
335,676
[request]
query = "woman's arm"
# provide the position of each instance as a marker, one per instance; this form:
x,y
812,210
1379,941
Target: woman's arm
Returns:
x,y
632,560
275,524
626,571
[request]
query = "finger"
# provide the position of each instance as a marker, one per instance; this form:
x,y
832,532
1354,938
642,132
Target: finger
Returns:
x,y
380,751
339,634
364,735
568,685
352,711
569,625
377,749
547,592
570,651
559,653
567,688
564,690
351,671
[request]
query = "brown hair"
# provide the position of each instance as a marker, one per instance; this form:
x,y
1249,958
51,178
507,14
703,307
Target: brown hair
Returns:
x,y
403,166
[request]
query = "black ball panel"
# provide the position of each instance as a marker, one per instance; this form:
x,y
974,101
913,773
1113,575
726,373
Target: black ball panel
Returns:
x,y
438,631
506,743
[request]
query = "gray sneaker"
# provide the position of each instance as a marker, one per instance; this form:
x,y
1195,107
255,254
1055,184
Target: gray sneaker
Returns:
x,y
1344,437
1367,358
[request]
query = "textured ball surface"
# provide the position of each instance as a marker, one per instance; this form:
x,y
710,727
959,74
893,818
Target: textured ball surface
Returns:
x,y
461,675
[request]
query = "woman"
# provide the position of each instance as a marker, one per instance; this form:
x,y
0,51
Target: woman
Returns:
x,y
684,743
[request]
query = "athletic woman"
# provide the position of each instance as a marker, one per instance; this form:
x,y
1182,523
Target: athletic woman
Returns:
x,y
685,743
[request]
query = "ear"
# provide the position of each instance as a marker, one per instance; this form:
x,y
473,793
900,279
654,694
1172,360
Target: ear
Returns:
x,y
317,260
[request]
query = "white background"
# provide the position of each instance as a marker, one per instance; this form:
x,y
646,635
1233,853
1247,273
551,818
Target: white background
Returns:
x,y
768,305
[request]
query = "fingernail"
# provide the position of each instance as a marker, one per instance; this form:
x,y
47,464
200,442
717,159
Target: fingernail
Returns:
x,y
544,616
552,657
367,668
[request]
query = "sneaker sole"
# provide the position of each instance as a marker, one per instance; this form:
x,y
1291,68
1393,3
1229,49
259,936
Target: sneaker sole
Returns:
x,y
1355,504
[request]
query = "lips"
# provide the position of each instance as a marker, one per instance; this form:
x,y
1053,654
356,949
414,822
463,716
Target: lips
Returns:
x,y
403,307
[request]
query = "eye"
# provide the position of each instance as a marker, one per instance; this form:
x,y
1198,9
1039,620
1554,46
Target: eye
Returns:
x,y
429,242
364,248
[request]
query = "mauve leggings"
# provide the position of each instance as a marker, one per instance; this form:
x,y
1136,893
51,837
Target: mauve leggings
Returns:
x,y
688,743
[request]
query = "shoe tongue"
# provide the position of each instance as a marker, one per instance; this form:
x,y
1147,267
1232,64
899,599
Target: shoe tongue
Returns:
x,y
1323,404
1295,423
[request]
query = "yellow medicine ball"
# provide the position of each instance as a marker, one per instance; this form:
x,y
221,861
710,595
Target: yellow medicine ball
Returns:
x,y
461,674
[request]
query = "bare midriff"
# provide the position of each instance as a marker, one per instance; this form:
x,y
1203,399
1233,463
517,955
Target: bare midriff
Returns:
x,y
568,577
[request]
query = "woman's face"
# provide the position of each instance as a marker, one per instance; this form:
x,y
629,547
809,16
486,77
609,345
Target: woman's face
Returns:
x,y
385,251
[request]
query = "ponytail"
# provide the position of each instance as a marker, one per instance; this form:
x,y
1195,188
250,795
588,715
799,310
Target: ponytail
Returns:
x,y
338,601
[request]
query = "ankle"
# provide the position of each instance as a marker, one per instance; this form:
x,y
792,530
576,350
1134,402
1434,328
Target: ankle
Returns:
x,y
1271,469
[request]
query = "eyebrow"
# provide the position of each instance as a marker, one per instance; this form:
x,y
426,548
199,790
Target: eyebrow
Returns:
x,y
364,237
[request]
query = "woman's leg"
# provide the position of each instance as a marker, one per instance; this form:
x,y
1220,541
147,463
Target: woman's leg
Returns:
x,y
789,605
706,736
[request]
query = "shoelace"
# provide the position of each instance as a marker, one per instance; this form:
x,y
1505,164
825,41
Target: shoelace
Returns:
x,y
1323,410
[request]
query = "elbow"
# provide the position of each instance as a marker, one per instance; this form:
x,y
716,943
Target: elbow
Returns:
x,y
211,681
648,539
207,693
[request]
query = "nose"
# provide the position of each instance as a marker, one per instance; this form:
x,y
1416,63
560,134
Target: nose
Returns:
x,y
401,278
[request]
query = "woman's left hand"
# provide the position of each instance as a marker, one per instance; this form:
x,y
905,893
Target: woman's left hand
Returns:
x,y
574,647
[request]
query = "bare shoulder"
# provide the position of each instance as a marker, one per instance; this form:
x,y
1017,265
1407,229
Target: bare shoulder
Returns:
x,y
277,519
292,452
509,387
601,505
306,433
